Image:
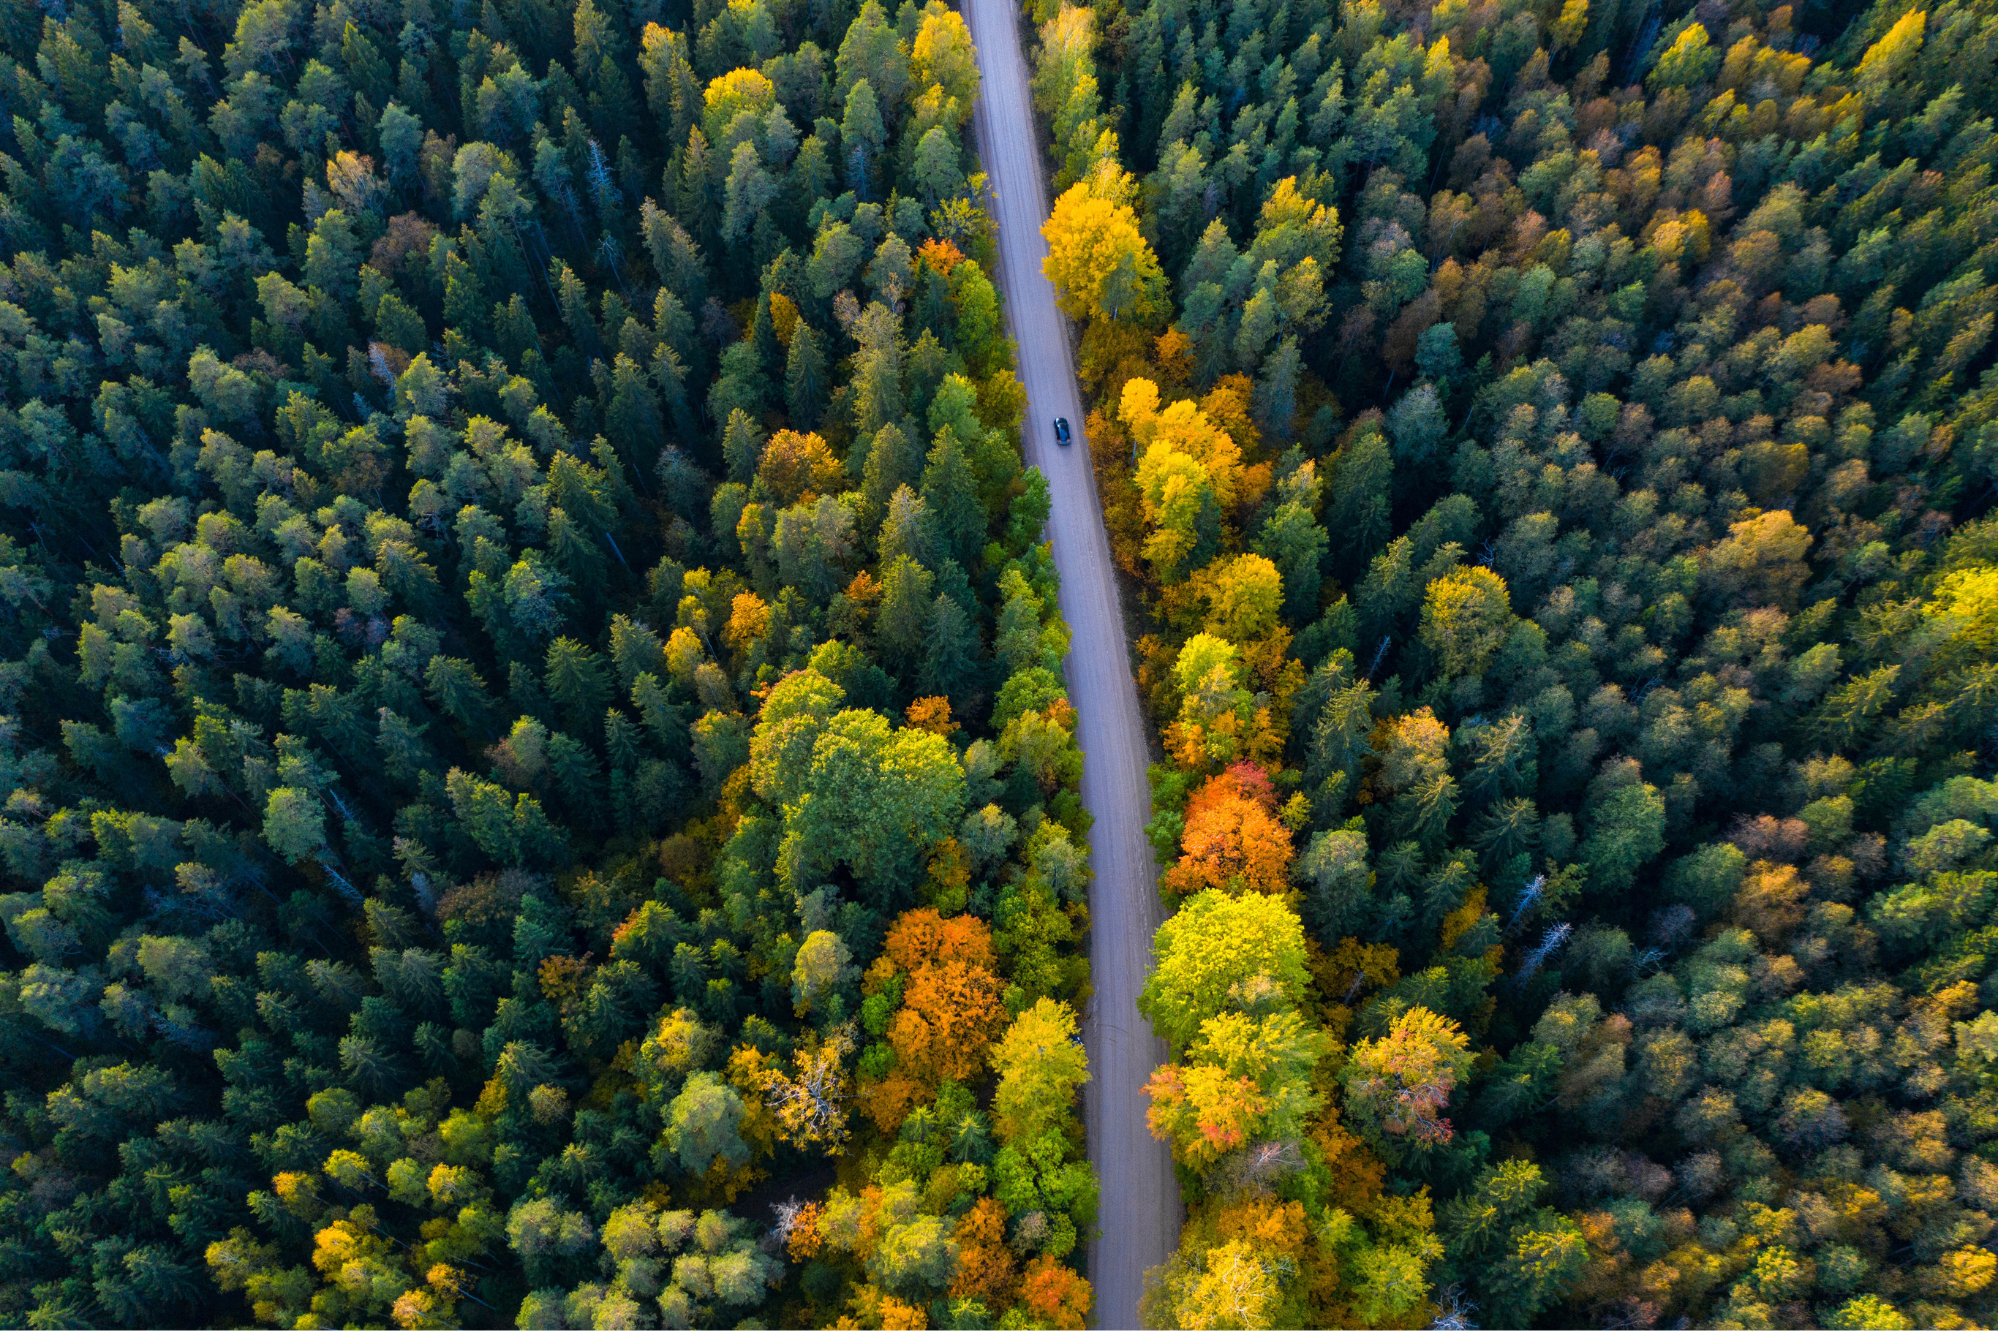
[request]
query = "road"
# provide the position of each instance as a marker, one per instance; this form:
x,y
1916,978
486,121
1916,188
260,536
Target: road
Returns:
x,y
1141,1212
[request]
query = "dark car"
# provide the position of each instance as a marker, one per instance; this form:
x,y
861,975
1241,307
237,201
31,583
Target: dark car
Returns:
x,y
1061,430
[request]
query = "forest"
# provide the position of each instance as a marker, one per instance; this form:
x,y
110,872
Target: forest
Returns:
x,y
541,786
1553,445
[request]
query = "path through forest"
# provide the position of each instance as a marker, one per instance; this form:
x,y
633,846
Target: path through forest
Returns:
x,y
1141,1209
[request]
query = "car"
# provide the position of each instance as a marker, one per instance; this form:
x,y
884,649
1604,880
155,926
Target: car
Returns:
x,y
1061,430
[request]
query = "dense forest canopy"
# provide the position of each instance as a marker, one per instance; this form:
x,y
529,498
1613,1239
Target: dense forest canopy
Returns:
x,y
1554,444
541,788
540,785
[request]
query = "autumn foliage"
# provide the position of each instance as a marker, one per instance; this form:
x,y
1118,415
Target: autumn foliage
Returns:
x,y
795,465
1055,1295
1233,839
950,1011
986,1267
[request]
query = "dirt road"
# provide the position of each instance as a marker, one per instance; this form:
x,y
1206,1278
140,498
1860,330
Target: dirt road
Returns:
x,y
1141,1209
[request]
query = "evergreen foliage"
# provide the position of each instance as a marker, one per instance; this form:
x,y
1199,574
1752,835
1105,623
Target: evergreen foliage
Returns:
x,y
532,687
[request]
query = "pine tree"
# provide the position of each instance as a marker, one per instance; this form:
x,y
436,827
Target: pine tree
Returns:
x,y
805,377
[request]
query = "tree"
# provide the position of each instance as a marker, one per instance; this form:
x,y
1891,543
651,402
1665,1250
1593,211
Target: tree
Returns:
x,y
1398,1086
1215,711
1543,1263
942,54
1358,508
1295,544
1204,1111
1337,877
936,168
874,800
1232,839
1243,594
294,824
702,1125
863,135
1213,944
1466,617
950,496
576,679
1625,821
950,1010
950,665
796,464
1040,1064
1188,473
1762,560
1230,1285
872,51
805,377
1100,265
1690,60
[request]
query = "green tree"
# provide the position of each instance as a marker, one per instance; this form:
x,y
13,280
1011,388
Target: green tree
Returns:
x,y
702,1125
876,800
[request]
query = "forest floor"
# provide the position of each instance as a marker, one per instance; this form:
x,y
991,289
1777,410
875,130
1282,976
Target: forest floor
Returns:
x,y
1140,1216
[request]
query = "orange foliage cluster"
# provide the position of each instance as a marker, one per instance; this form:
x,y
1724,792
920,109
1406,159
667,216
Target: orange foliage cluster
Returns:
x,y
562,978
806,1241
929,714
921,939
940,255
1054,1294
986,1268
1233,838
863,589
951,1011
1358,1176
1263,1223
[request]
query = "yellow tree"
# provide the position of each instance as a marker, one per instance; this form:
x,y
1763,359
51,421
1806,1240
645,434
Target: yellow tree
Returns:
x,y
809,1106
1040,1065
943,55
1183,427
1203,1110
1762,561
1243,597
732,93
1887,59
1466,616
1189,472
1101,267
1230,1285
795,465
1216,714
1397,1087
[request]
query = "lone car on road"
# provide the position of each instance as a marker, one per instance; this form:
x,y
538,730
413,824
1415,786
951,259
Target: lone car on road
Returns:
x,y
1061,430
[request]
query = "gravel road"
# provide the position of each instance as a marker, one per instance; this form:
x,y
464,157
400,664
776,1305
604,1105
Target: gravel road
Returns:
x,y
1141,1212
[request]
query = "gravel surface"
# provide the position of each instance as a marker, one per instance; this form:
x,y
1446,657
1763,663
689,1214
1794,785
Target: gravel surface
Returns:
x,y
1141,1212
